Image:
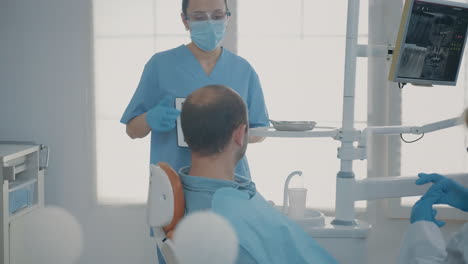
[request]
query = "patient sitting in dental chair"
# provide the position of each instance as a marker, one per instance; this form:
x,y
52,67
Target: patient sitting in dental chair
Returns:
x,y
215,126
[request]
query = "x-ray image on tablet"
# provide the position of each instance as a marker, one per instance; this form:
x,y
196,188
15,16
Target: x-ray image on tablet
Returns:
x,y
180,135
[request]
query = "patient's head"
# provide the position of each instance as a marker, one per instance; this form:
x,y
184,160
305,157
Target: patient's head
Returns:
x,y
214,121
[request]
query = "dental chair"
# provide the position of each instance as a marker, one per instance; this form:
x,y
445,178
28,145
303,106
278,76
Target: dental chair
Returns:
x,y
166,207
196,240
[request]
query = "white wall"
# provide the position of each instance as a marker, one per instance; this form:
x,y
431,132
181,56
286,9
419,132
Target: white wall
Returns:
x,y
46,96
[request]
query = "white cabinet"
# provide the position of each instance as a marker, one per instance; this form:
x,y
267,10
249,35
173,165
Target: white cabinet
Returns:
x,y
22,187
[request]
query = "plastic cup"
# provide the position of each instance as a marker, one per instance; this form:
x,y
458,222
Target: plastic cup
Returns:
x,y
297,202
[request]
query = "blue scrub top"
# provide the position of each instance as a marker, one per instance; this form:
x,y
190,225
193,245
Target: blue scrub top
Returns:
x,y
178,73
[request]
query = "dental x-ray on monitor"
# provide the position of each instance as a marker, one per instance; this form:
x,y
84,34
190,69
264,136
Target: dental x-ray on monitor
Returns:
x,y
430,43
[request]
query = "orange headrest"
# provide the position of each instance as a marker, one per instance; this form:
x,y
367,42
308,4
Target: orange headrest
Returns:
x,y
179,199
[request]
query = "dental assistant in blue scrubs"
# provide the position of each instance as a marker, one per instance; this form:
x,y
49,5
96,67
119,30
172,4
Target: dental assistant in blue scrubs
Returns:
x,y
178,72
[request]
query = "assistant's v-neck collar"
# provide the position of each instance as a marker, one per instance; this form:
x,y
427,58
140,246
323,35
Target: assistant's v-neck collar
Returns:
x,y
198,67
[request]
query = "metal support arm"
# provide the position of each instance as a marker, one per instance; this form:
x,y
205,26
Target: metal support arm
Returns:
x,y
396,130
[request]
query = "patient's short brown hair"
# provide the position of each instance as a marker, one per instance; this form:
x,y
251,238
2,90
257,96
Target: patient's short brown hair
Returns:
x,y
209,117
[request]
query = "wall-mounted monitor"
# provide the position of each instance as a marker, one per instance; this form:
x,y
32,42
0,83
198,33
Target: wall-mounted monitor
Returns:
x,y
430,43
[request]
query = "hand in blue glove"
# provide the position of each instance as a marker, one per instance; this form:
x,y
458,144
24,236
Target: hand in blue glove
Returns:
x,y
422,209
454,194
162,117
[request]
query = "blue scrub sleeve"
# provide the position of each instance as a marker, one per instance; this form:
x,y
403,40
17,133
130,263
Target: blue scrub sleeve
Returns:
x,y
144,97
258,114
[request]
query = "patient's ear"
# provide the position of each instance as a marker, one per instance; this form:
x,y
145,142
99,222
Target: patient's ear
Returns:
x,y
239,135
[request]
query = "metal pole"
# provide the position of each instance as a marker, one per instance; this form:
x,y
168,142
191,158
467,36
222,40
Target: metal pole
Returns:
x,y
345,178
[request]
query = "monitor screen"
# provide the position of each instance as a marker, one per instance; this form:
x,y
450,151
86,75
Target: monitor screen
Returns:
x,y
430,42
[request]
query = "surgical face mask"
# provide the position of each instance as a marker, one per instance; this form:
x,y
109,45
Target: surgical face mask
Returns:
x,y
207,34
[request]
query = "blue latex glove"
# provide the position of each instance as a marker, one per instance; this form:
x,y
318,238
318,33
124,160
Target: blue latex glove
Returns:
x,y
162,117
422,209
454,194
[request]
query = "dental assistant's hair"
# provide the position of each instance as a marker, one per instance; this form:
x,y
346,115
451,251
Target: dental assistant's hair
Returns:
x,y
185,4
209,117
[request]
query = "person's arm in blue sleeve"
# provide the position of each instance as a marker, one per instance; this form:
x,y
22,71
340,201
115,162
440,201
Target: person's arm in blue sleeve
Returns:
x,y
147,112
135,113
258,113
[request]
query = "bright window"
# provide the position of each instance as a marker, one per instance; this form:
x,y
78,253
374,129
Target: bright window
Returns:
x,y
301,67
442,151
126,35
